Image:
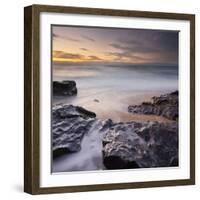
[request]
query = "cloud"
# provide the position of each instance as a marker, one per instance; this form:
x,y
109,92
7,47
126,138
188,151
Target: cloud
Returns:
x,y
134,48
65,55
71,39
84,49
135,42
160,46
119,56
74,56
55,35
91,57
65,37
149,42
88,38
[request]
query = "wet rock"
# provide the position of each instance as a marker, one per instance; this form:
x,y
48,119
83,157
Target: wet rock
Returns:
x,y
164,105
64,88
70,111
141,145
67,135
124,145
70,123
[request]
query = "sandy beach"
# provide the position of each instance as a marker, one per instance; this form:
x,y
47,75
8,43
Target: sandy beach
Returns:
x,y
90,157
112,106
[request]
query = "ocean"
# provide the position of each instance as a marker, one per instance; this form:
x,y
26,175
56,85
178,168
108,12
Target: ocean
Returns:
x,y
107,89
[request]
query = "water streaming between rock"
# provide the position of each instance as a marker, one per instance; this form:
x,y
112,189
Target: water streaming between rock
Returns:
x,y
87,159
115,88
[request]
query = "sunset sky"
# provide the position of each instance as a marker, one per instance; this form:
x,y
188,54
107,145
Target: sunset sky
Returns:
x,y
111,45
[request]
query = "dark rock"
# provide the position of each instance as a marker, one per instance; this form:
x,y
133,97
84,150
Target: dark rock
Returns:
x,y
116,162
174,162
70,123
67,136
64,88
96,100
60,151
147,103
165,105
70,111
175,93
125,145
141,145
85,113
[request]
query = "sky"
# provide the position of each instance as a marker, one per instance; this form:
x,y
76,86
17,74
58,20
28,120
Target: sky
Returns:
x,y
114,45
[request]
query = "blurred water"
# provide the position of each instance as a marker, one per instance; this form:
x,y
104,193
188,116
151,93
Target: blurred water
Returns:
x,y
89,158
123,77
111,86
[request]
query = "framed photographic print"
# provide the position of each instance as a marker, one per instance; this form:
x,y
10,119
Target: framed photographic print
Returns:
x,y
109,99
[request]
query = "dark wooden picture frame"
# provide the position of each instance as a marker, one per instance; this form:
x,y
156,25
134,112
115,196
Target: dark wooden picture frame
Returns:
x,y
32,95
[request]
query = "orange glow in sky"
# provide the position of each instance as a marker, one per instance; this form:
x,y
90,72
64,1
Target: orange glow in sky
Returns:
x,y
111,45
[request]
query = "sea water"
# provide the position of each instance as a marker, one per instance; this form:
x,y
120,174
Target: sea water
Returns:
x,y
109,86
104,89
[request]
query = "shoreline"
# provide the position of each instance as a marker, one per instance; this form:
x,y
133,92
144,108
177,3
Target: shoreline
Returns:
x,y
117,110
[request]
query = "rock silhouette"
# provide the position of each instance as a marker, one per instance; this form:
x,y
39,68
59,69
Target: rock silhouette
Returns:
x,y
64,88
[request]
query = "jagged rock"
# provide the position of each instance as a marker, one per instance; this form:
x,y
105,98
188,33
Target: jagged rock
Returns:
x,y
165,105
70,111
67,135
64,88
140,145
70,123
124,145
